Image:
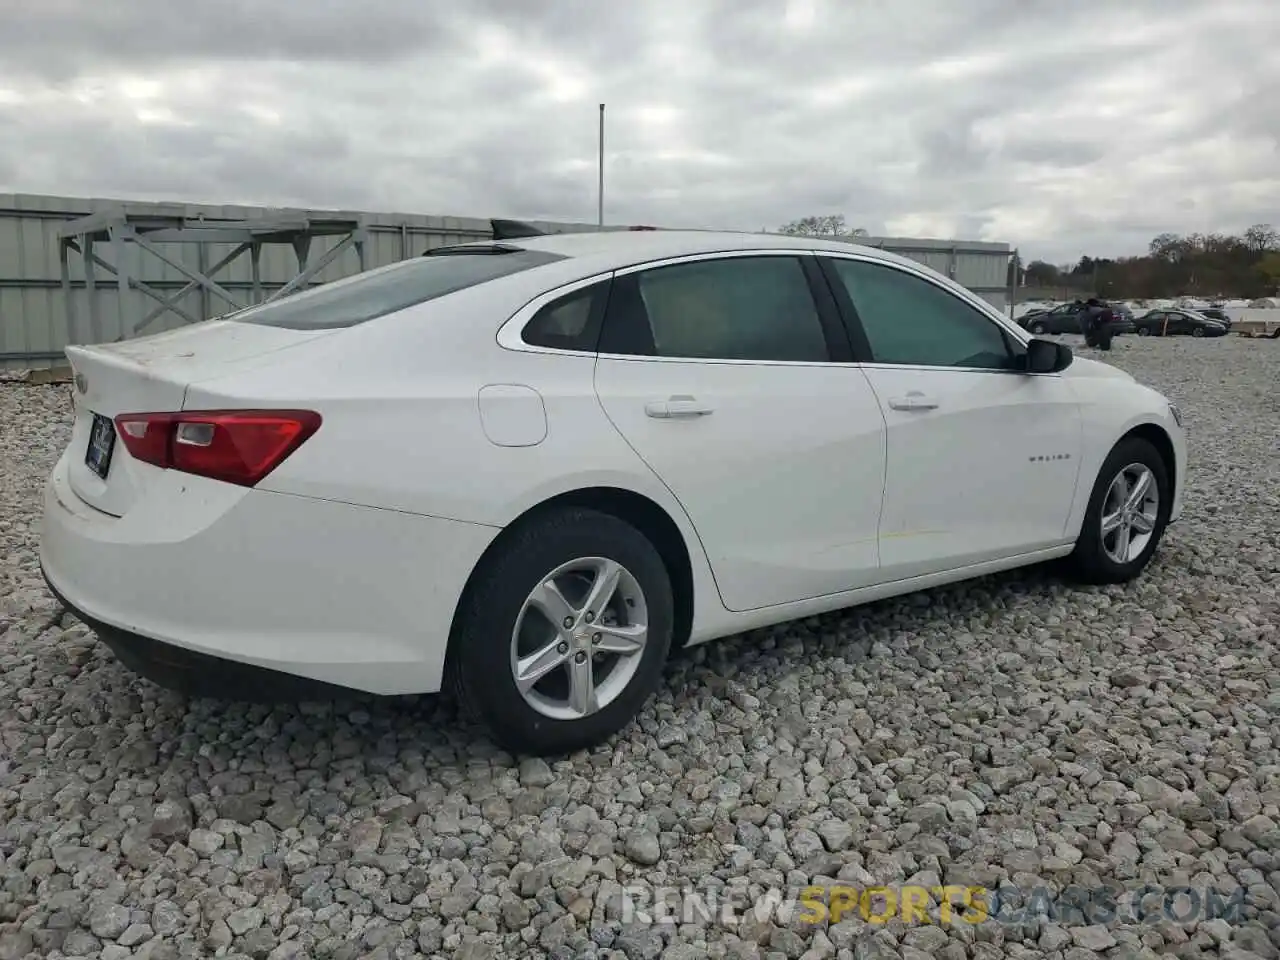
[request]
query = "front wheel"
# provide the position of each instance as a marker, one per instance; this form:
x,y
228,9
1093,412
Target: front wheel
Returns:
x,y
1038,328
564,633
1126,516
1197,331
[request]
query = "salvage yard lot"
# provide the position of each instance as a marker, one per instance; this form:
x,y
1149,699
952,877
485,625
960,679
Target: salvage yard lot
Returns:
x,y
1016,731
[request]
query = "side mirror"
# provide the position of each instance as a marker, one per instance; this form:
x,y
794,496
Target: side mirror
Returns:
x,y
1047,356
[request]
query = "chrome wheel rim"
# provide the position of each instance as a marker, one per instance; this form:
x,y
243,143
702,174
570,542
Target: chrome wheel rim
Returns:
x,y
1129,513
579,638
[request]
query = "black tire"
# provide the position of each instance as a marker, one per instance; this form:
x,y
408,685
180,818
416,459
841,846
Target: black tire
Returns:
x,y
479,669
1089,561
1197,331
1144,332
1038,328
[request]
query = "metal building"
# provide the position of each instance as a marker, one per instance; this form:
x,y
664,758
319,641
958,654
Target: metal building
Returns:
x,y
88,270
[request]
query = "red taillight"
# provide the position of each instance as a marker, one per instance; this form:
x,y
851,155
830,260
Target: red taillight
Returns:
x,y
237,446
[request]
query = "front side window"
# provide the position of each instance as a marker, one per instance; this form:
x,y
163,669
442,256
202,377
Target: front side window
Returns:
x,y
909,320
739,308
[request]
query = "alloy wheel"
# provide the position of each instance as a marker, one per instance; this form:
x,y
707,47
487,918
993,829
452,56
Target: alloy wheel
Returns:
x,y
1129,513
579,637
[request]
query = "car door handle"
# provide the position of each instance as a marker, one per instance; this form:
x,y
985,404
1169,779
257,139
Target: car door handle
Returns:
x,y
914,401
676,408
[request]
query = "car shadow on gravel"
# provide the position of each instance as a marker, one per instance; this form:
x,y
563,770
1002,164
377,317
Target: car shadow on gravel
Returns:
x,y
130,715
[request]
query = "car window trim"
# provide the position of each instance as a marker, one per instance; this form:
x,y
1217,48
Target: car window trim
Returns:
x,y
510,335
857,334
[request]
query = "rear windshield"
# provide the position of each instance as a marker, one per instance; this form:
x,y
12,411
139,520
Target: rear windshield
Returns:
x,y
376,293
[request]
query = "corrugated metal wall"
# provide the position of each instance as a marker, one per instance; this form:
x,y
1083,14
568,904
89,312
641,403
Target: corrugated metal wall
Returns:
x,y
33,314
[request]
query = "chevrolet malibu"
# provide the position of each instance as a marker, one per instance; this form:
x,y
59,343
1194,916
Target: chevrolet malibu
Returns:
x,y
528,470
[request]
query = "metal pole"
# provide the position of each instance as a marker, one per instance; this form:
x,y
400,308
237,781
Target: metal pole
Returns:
x,y
600,184
1013,282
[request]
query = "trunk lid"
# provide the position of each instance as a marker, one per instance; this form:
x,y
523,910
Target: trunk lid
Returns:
x,y
151,374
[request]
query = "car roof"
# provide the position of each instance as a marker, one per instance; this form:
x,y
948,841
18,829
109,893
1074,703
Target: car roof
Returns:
x,y
614,249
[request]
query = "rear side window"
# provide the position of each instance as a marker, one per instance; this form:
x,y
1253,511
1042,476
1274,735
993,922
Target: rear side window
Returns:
x,y
376,293
743,308
570,323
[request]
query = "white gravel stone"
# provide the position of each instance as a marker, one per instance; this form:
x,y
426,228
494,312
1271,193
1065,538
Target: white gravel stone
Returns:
x,y
108,920
1017,730
205,842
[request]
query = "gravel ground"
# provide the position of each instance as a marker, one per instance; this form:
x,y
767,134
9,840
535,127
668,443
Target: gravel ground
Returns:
x,y
1014,731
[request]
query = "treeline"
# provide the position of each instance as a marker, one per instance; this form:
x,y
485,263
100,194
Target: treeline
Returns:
x,y
1198,265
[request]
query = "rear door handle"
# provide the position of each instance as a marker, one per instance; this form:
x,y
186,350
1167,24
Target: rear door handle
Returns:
x,y
914,400
676,407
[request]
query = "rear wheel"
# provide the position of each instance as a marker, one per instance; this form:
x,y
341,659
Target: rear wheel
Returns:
x,y
564,634
1144,332
1127,514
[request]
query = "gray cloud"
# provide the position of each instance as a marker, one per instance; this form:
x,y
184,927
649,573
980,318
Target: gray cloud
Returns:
x,y
1061,128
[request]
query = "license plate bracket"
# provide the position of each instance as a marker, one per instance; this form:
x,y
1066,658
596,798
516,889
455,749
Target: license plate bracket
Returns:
x,y
102,443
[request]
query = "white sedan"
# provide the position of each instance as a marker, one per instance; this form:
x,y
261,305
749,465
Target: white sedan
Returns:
x,y
530,469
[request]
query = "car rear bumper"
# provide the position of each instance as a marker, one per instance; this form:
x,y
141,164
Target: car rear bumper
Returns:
x,y
341,594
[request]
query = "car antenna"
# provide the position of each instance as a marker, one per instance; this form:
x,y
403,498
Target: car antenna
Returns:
x,y
514,230
502,230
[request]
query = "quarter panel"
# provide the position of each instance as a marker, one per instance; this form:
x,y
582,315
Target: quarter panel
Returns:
x,y
401,432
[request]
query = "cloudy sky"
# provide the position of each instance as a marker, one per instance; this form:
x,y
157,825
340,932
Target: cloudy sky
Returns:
x,y
1061,127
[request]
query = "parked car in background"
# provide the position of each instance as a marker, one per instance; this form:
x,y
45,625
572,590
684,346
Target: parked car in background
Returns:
x,y
1065,318
529,469
1162,323
1216,313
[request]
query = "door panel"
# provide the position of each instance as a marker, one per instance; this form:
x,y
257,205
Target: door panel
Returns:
x,y
988,472
782,478
982,459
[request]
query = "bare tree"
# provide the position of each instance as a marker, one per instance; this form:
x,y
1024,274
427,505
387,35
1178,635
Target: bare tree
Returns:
x,y
1261,237
831,225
